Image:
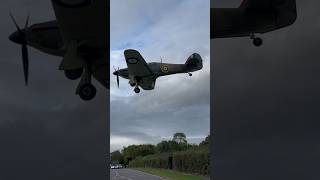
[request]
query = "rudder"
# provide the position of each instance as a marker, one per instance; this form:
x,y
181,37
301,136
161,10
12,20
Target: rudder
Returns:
x,y
194,62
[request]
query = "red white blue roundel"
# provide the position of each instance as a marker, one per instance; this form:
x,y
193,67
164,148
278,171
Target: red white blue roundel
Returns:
x,y
132,61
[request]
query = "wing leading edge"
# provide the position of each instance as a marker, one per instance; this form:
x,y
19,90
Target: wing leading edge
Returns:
x,y
137,66
139,69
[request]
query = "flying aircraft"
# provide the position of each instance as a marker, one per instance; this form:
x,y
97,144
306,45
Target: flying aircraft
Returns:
x,y
252,17
79,35
143,74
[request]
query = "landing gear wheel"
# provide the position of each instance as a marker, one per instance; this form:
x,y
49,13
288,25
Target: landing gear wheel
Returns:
x,y
137,90
132,84
87,92
190,74
257,41
73,74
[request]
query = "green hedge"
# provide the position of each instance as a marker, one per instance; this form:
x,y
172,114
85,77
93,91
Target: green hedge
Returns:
x,y
190,161
151,161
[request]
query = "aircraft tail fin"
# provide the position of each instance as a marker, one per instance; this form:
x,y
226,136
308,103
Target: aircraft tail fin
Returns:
x,y
194,62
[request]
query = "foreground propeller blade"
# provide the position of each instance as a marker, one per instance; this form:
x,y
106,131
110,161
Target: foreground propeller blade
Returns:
x,y
118,80
25,63
15,22
22,39
27,21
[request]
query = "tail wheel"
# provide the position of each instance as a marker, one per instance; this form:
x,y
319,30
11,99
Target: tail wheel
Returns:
x,y
87,92
257,41
137,90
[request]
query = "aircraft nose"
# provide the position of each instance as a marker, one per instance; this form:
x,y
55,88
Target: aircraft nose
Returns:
x,y
16,37
115,73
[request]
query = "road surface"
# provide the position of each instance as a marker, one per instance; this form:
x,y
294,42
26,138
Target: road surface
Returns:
x,y
129,174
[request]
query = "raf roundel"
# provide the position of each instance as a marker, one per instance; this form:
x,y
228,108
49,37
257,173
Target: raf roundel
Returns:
x,y
132,61
164,68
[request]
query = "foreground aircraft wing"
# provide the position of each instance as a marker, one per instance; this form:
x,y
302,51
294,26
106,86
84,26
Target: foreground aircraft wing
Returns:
x,y
137,66
84,27
253,16
147,83
83,20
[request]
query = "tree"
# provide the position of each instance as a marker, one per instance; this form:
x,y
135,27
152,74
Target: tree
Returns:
x,y
163,146
117,157
180,138
133,151
205,142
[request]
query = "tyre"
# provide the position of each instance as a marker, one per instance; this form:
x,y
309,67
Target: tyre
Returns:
x,y
73,74
136,90
87,92
257,42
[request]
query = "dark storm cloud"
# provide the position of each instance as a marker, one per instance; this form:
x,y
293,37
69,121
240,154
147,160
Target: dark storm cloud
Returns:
x,y
266,102
46,131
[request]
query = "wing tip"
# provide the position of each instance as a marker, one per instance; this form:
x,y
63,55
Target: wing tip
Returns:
x,y
130,51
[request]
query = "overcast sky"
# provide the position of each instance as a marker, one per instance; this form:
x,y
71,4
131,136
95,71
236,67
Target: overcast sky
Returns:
x,y
46,131
171,30
266,101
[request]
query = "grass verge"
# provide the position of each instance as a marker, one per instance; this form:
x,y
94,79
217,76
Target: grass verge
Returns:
x,y
171,175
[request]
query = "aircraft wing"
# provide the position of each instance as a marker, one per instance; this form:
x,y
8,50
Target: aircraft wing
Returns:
x,y
84,26
137,66
147,83
262,4
100,72
253,16
83,20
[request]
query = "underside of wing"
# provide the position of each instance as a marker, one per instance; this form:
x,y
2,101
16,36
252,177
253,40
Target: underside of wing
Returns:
x,y
84,20
253,16
137,66
260,4
147,83
100,71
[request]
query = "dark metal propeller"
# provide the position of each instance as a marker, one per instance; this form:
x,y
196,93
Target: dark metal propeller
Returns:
x,y
116,72
20,37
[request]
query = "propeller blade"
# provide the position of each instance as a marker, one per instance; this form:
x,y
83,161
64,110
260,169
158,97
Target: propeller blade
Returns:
x,y
24,47
118,80
27,21
25,63
15,22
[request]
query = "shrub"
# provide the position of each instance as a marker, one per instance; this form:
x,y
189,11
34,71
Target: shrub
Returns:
x,y
192,161
152,161
195,161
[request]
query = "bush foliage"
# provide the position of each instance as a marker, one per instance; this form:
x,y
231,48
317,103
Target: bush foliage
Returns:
x,y
175,154
194,161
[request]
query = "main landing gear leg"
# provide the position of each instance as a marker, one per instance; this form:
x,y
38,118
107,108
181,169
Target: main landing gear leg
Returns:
x,y
85,89
132,84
